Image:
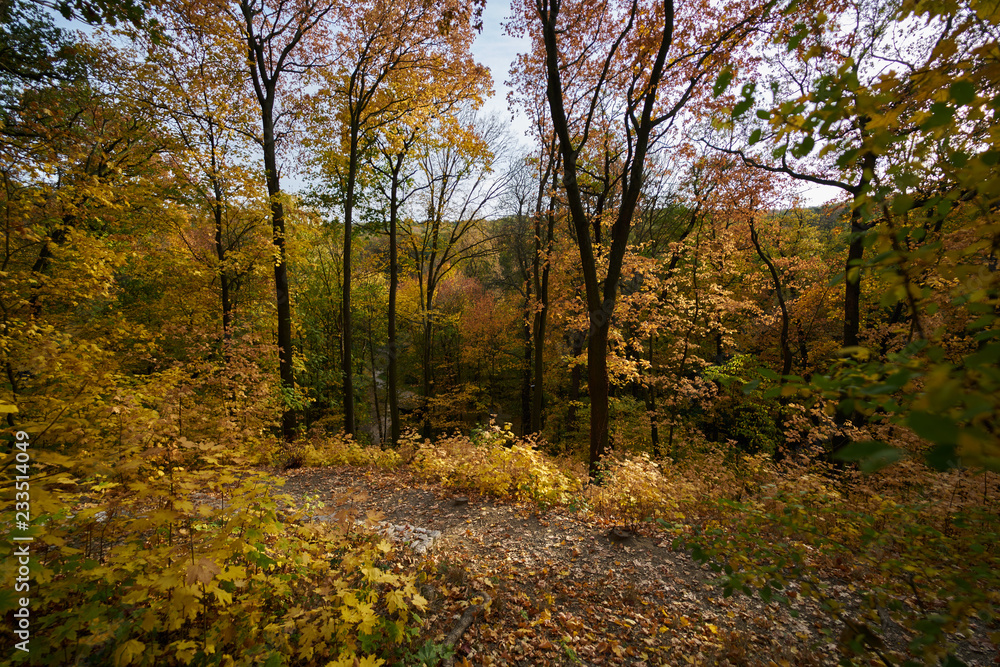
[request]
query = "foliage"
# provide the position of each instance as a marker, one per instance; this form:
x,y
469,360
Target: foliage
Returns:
x,y
168,558
338,450
634,490
495,463
921,542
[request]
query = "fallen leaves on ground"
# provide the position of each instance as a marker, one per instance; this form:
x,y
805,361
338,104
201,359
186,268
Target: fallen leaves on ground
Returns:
x,y
564,589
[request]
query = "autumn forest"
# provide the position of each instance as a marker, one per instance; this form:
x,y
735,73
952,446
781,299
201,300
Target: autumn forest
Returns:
x,y
726,295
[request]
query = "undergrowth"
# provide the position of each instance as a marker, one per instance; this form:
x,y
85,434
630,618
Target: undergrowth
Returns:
x,y
177,553
169,559
918,548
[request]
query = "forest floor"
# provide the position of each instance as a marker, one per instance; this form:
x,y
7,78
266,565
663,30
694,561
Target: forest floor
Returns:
x,y
566,588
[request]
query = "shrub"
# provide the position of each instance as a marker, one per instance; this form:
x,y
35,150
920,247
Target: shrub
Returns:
x,y
168,560
495,464
339,450
922,555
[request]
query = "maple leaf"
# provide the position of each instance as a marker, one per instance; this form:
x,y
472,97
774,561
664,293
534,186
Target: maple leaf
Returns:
x,y
128,652
202,572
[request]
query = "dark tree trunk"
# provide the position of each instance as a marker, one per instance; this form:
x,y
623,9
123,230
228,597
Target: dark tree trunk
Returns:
x,y
428,384
575,379
352,175
852,282
220,253
526,371
393,388
654,430
597,380
285,368
786,350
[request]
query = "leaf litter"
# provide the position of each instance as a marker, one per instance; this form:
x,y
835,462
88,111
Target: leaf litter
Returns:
x,y
567,587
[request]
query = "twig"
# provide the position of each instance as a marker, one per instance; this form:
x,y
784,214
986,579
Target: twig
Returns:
x,y
463,624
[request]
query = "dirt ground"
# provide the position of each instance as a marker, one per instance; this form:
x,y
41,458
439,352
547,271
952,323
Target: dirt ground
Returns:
x,y
565,587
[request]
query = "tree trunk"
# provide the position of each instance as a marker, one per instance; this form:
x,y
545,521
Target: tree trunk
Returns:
x,y
526,374
538,371
544,247
786,350
575,379
597,379
852,281
352,175
285,369
427,380
220,252
654,430
393,389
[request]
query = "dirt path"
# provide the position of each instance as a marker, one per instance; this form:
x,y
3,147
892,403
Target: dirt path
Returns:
x,y
567,590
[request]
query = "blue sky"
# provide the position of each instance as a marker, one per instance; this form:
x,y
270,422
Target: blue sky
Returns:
x,y
497,50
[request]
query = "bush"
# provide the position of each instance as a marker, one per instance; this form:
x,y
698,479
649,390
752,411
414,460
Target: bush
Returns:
x,y
495,464
169,560
338,450
922,555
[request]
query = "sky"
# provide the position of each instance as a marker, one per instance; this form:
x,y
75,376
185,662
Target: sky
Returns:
x,y
497,50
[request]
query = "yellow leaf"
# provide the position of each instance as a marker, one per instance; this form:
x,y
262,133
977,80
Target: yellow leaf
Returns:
x,y
128,651
371,661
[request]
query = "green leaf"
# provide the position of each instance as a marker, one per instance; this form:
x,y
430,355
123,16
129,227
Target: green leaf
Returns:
x,y
754,137
942,457
747,101
902,203
963,92
742,107
721,83
988,355
801,30
941,114
763,114
768,374
870,454
939,429
804,147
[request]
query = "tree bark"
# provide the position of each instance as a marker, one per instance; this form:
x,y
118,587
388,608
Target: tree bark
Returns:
x,y
598,384
352,177
654,430
786,350
285,368
393,388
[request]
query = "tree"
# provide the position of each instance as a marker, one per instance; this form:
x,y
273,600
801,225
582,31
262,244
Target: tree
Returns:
x,y
388,52
193,80
283,41
524,243
640,64
827,76
459,184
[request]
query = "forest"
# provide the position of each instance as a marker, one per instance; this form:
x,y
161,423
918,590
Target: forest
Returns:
x,y
249,243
